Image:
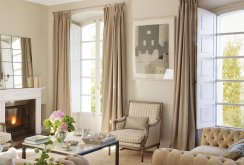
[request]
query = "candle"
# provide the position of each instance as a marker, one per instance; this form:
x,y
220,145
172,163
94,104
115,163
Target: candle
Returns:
x,y
35,82
39,82
30,82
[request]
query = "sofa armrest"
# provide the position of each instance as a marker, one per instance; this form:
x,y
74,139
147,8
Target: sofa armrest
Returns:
x,y
169,156
119,123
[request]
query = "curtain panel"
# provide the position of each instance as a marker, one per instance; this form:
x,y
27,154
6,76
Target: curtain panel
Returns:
x,y
184,125
27,69
61,50
114,65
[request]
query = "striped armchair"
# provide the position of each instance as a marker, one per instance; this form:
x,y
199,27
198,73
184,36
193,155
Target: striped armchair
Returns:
x,y
140,139
5,138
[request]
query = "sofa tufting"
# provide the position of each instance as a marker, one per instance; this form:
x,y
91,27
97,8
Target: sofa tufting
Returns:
x,y
214,143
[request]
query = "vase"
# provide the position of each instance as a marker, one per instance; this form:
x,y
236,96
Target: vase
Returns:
x,y
60,136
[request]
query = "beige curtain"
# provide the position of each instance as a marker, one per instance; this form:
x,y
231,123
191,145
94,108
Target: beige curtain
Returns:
x,y
61,43
27,70
183,133
113,65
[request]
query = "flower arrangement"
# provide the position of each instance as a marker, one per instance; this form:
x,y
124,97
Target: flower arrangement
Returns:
x,y
58,121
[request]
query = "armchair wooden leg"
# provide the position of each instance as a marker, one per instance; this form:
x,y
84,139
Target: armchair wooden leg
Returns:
x,y
142,154
109,151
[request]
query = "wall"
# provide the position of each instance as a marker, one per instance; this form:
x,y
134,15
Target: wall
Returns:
x,y
148,90
26,19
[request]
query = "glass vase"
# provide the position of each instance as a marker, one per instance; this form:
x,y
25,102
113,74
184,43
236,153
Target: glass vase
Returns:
x,y
60,136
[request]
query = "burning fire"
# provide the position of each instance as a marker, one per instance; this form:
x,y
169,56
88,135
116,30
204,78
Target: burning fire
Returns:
x,y
13,120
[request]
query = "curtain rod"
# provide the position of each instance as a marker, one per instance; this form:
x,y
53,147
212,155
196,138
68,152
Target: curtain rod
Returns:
x,y
122,3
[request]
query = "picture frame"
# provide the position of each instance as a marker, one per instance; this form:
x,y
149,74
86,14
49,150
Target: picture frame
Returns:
x,y
153,48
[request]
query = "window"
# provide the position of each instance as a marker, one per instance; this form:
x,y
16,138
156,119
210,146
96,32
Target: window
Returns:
x,y
91,66
11,59
230,70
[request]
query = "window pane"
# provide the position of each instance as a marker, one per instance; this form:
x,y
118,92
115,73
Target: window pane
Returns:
x,y
17,56
88,50
88,86
6,55
230,92
230,22
18,81
231,45
18,72
7,68
88,68
230,116
89,32
9,83
230,69
5,41
101,49
88,104
101,30
17,66
16,43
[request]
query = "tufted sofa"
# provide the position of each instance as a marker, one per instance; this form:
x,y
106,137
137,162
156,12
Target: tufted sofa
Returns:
x,y
214,143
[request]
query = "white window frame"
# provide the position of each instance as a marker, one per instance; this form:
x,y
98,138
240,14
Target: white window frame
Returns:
x,y
97,59
218,56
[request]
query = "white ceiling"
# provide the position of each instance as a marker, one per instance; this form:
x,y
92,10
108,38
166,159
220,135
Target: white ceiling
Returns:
x,y
53,2
213,4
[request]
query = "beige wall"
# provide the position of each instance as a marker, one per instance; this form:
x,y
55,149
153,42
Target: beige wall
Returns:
x,y
24,19
147,90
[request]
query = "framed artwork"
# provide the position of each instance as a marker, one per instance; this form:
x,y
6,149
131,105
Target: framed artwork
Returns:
x,y
153,48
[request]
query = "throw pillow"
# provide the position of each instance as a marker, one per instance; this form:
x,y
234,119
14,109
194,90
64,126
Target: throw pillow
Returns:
x,y
235,152
139,123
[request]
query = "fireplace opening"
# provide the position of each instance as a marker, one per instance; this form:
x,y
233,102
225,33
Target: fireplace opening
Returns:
x,y
20,118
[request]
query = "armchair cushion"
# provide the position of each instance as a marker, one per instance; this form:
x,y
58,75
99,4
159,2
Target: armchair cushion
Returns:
x,y
5,137
129,135
209,150
139,123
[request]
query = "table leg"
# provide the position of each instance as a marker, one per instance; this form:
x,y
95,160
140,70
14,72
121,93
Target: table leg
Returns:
x,y
23,152
117,154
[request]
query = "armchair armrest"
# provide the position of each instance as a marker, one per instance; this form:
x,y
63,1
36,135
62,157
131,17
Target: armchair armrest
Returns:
x,y
169,156
119,123
153,133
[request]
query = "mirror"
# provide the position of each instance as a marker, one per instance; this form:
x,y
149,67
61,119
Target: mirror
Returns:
x,y
15,62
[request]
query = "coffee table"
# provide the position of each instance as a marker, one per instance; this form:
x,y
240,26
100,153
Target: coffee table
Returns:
x,y
80,149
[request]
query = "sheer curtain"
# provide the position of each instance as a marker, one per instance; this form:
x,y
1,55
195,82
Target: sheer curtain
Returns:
x,y
114,65
184,127
61,46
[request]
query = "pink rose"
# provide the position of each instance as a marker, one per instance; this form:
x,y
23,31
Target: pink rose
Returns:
x,y
63,127
57,115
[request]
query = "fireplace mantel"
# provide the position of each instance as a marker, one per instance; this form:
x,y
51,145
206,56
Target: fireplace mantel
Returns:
x,y
8,95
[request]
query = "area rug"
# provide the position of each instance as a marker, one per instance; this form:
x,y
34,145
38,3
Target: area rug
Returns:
x,y
126,157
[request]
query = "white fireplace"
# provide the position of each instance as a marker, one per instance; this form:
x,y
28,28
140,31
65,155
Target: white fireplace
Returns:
x,y
9,95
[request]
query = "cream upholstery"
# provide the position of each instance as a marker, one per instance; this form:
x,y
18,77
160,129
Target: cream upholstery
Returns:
x,y
214,143
138,139
221,137
69,160
129,135
5,138
168,156
209,150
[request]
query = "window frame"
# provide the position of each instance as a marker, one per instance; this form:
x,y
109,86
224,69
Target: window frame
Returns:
x,y
97,60
217,80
